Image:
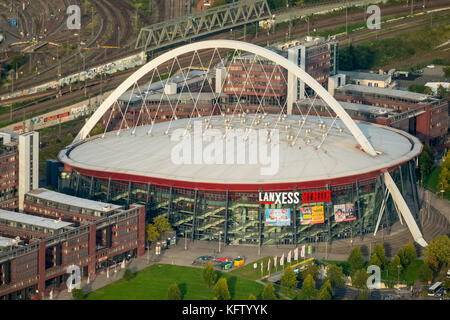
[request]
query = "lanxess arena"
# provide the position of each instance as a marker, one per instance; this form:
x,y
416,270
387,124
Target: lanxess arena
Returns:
x,y
252,178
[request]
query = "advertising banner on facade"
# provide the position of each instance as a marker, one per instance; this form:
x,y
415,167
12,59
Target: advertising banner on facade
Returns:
x,y
311,215
344,212
278,217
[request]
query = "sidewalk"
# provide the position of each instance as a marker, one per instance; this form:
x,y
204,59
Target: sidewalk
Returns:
x,y
102,280
442,205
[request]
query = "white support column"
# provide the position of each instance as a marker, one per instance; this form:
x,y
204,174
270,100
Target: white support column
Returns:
x,y
404,210
380,214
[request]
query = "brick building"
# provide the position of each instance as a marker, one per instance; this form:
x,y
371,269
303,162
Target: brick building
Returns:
x,y
419,114
247,80
29,227
55,205
158,107
42,265
317,56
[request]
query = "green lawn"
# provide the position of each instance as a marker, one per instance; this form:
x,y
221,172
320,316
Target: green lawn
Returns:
x,y
432,182
249,272
152,284
408,276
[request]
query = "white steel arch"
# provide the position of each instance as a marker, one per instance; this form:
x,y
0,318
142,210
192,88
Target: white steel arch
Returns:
x,y
236,45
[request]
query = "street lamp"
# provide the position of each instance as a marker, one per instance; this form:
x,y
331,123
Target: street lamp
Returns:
x,y
398,276
220,236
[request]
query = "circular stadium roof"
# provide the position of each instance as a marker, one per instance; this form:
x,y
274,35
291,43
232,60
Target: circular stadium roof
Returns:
x,y
140,157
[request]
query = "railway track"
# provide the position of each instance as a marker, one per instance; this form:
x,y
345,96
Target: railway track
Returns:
x,y
301,28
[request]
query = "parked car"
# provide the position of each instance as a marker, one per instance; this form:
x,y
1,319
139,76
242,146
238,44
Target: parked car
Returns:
x,y
202,260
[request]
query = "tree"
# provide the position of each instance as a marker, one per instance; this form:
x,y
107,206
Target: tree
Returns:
x,y
162,224
374,260
355,260
410,252
438,251
444,176
359,279
98,129
425,273
380,252
446,283
425,162
395,267
77,294
335,275
289,279
221,290
128,275
309,291
251,297
428,91
326,292
152,233
403,258
174,292
268,292
447,72
209,275
441,92
311,269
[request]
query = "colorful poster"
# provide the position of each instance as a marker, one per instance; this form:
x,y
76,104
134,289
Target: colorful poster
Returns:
x,y
278,217
344,212
311,215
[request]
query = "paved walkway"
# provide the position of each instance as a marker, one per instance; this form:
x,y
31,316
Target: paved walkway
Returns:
x,y
442,205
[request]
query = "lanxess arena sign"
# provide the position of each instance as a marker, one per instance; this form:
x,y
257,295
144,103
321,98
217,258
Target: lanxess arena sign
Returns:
x,y
294,197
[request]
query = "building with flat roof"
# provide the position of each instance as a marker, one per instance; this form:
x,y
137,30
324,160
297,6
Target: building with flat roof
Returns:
x,y
357,111
6,242
29,227
419,114
55,205
369,79
317,56
41,266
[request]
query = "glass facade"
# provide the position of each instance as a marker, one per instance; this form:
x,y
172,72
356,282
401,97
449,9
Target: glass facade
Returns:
x,y
239,218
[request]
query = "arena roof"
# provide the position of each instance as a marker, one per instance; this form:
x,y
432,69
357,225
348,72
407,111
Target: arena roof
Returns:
x,y
33,220
150,156
73,201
